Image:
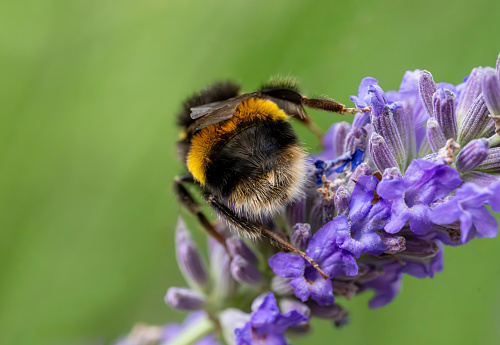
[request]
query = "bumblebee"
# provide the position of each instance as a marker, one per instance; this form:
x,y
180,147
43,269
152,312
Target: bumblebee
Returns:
x,y
242,151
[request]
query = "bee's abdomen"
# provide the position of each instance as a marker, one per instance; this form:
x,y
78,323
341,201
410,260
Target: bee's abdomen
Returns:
x,y
260,170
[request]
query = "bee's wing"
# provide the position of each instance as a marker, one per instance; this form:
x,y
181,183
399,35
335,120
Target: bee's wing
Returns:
x,y
209,114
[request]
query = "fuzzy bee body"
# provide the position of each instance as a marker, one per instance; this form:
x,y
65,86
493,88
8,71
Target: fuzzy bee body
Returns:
x,y
242,151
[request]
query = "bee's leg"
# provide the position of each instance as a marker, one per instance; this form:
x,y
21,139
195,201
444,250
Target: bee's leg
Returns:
x,y
255,231
330,105
186,200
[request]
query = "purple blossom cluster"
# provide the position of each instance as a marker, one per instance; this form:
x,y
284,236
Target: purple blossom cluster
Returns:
x,y
416,173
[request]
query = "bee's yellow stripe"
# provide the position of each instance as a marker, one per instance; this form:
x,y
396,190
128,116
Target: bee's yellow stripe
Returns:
x,y
254,109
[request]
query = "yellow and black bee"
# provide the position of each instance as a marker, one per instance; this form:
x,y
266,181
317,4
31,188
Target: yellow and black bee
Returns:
x,y
243,152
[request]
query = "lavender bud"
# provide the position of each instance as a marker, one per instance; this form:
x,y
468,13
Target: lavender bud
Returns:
x,y
244,272
346,289
435,135
491,90
341,200
381,156
471,91
281,286
300,235
392,174
480,178
474,122
378,100
426,88
362,170
289,304
336,136
491,164
473,154
184,299
403,117
443,102
225,285
417,248
296,212
394,243
387,128
355,139
237,246
231,319
498,66
332,312
189,259
489,130
316,216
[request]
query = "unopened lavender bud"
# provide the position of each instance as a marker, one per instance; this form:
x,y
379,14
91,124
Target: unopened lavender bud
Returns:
x,y
184,299
231,319
489,130
385,125
480,178
189,259
332,312
472,155
403,117
346,289
394,243
237,246
281,286
335,138
474,122
244,272
355,139
426,88
435,135
362,170
443,102
225,285
470,92
341,200
296,212
392,174
417,248
378,99
380,153
300,235
491,164
287,305
491,90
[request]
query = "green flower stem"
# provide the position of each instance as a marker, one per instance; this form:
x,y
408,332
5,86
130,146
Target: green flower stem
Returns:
x,y
193,332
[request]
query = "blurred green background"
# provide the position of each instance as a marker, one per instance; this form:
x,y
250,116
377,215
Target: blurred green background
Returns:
x,y
88,94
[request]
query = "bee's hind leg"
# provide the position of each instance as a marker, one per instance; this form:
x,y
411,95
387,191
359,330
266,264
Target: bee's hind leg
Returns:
x,y
192,206
253,231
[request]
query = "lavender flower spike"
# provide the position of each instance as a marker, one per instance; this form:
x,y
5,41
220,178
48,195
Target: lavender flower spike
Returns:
x,y
426,89
435,135
473,154
443,102
380,153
